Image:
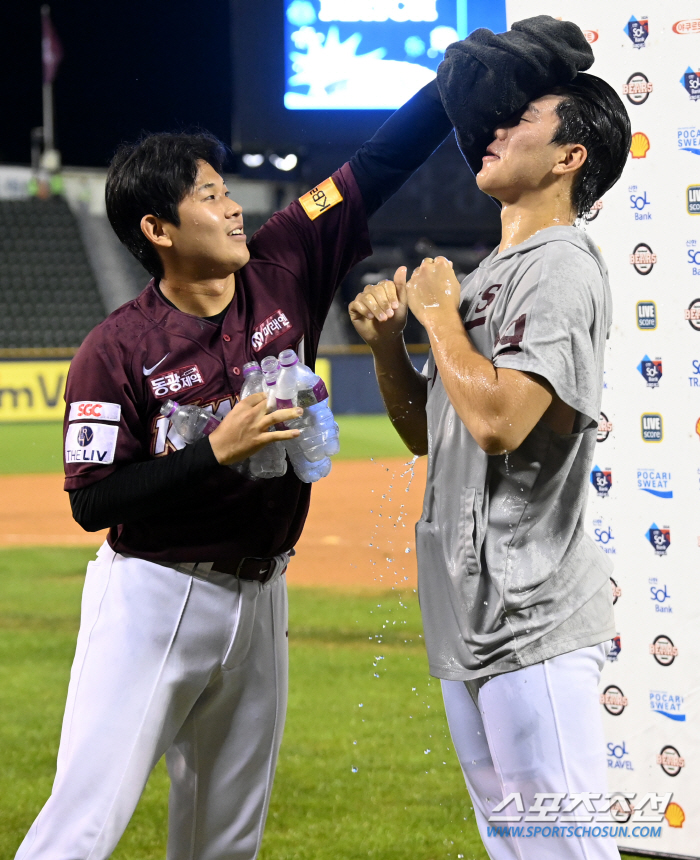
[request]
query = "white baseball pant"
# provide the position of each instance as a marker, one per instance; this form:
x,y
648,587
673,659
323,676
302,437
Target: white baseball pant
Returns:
x,y
537,729
169,663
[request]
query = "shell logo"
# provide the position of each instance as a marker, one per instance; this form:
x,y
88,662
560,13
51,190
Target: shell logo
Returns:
x,y
591,35
674,815
697,427
640,145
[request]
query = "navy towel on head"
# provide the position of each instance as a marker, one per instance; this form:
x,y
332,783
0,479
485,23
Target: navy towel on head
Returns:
x,y
487,77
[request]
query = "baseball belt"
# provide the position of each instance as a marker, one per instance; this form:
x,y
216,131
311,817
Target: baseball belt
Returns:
x,y
249,568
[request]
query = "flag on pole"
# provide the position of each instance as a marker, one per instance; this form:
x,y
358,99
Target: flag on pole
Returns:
x,y
51,50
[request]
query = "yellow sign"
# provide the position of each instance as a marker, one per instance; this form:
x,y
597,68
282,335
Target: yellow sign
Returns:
x,y
320,199
32,390
323,369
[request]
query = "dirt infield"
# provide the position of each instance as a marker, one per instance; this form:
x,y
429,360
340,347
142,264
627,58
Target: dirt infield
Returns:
x,y
357,535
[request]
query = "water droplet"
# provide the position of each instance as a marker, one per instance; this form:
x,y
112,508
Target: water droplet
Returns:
x,y
425,752
353,769
360,705
407,550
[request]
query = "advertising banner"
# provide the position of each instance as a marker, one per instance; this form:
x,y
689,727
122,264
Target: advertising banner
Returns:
x,y
644,509
32,390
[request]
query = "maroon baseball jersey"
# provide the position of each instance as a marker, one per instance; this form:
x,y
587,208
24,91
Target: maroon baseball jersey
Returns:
x,y
148,351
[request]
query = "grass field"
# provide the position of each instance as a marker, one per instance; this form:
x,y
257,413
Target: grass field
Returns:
x,y
366,767
400,803
37,448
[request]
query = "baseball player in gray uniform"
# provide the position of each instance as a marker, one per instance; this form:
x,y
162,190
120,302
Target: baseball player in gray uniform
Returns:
x,y
515,598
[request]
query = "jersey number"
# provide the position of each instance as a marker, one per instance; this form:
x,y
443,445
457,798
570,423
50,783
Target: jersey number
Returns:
x,y
514,340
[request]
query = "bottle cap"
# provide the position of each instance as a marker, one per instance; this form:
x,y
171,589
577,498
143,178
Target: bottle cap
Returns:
x,y
168,408
251,367
288,358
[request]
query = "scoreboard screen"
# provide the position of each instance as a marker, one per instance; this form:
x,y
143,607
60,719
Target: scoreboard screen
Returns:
x,y
372,54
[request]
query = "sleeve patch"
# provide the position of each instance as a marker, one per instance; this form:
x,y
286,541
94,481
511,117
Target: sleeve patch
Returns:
x,y
86,409
321,198
91,443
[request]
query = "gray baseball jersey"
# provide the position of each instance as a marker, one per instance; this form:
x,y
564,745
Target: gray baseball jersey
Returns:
x,y
507,576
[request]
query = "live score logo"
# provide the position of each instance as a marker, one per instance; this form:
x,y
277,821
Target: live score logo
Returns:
x,y
647,315
652,427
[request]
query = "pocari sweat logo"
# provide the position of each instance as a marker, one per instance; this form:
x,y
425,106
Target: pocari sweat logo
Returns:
x,y
654,482
669,705
601,479
659,538
638,31
651,370
689,138
691,83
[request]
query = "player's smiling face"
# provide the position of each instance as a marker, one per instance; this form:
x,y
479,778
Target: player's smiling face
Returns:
x,y
210,242
522,159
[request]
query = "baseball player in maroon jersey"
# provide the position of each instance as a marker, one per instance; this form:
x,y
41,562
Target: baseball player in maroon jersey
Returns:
x,y
182,648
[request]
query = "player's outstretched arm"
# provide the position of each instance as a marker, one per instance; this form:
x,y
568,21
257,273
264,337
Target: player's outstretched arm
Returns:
x,y
379,316
498,406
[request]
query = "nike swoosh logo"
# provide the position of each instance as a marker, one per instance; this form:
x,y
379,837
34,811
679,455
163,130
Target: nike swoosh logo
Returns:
x,y
149,371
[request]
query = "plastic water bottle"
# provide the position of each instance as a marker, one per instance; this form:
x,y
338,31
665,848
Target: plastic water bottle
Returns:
x,y
304,469
270,461
193,423
298,385
190,422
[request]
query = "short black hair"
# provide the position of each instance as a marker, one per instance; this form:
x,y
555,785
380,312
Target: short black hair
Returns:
x,y
152,177
592,113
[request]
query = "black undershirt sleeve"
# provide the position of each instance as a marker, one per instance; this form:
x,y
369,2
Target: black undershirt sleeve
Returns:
x,y
138,490
400,146
135,491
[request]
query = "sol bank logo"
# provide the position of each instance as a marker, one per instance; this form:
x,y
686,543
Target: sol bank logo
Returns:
x,y
638,31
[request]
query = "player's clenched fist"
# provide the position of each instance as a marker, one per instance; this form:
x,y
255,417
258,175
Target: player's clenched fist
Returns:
x,y
246,429
379,311
433,288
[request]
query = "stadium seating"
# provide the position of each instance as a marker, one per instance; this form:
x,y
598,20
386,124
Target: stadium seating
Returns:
x,y
48,294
